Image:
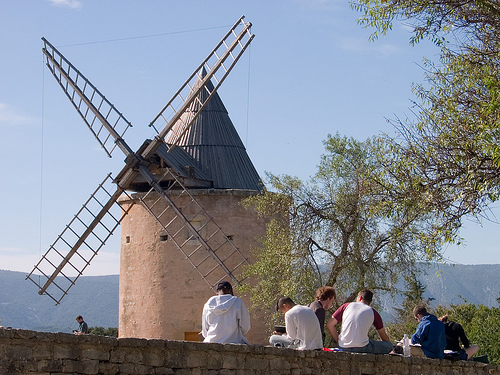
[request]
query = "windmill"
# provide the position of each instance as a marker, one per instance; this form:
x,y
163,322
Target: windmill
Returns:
x,y
162,172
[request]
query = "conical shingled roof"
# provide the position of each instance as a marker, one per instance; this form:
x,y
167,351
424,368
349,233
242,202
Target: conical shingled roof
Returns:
x,y
214,143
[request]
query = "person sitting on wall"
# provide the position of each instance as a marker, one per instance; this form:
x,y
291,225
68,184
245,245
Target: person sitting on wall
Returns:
x,y
324,301
225,317
357,318
429,334
83,329
302,328
453,332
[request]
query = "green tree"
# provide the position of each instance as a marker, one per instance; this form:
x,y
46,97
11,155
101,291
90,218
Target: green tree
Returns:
x,y
413,296
450,148
342,228
101,331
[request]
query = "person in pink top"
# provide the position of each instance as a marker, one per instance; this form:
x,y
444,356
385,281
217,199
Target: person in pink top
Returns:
x,y
357,318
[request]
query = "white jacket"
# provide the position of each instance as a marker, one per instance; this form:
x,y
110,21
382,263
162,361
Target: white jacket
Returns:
x,y
225,320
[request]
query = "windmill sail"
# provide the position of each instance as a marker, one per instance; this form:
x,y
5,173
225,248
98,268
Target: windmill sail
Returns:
x,y
215,67
74,249
108,125
105,122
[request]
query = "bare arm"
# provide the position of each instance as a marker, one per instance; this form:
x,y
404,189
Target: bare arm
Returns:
x,y
383,335
331,328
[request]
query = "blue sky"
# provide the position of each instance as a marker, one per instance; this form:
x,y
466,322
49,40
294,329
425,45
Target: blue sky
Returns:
x,y
310,71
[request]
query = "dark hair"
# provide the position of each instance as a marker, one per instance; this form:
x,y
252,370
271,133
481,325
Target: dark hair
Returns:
x,y
79,317
225,286
284,300
366,295
419,310
325,292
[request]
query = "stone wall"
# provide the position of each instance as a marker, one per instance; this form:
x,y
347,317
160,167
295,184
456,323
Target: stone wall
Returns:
x,y
29,352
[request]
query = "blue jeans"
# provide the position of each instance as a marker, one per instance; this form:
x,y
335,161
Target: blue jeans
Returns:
x,y
373,347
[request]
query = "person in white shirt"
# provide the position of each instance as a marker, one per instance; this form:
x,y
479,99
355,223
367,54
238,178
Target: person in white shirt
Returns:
x,y
302,328
225,317
357,318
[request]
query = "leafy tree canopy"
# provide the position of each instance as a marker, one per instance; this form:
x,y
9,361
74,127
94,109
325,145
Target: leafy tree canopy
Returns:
x,y
450,148
341,228
101,331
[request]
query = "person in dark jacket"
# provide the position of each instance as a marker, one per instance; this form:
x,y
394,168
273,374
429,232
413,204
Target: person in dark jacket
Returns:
x,y
455,332
83,329
430,333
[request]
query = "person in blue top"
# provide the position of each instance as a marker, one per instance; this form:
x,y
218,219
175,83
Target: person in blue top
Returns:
x,y
430,333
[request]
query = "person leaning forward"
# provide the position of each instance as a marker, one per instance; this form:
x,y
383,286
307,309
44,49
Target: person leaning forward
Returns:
x,y
429,334
357,318
83,329
302,328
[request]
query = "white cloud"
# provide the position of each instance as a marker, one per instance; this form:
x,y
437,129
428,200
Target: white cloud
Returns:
x,y
73,4
9,116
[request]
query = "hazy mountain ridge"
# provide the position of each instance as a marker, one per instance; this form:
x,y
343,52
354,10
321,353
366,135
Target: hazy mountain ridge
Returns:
x,y
93,297
96,297
447,284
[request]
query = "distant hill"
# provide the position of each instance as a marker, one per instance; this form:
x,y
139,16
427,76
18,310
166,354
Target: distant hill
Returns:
x,y
93,297
452,284
96,297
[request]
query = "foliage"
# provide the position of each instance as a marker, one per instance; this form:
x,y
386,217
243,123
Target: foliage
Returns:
x,y
101,331
451,149
437,20
342,228
413,296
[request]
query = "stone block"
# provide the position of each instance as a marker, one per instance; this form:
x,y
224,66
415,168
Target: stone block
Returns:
x,y
217,361
162,371
279,363
106,368
126,368
247,372
229,362
46,365
256,363
134,356
42,351
89,366
21,352
196,359
70,365
154,357
65,352
95,353
132,343
142,370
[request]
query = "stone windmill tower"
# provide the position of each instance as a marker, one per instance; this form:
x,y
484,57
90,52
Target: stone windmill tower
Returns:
x,y
161,296
178,198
